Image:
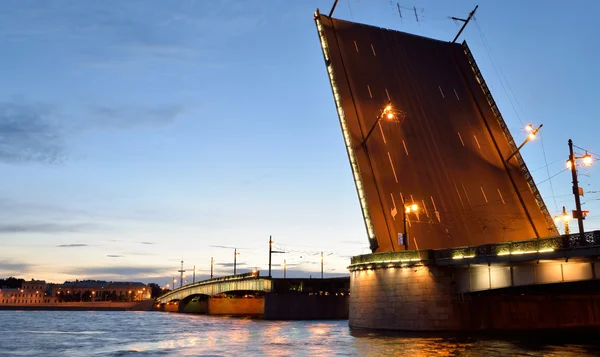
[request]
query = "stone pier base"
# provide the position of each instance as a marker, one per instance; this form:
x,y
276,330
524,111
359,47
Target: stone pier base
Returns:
x,y
414,298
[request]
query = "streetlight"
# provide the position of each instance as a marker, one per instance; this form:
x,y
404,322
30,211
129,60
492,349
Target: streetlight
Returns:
x,y
284,268
565,218
388,113
194,275
572,165
235,254
212,263
271,251
408,208
532,133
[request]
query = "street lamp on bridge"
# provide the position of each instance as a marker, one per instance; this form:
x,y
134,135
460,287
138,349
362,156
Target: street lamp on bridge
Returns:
x,y
565,218
271,251
408,208
389,113
532,134
577,191
235,254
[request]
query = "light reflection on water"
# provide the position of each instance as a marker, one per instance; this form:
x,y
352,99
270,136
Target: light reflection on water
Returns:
x,y
78,333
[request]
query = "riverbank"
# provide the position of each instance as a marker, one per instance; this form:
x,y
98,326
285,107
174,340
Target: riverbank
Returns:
x,y
145,305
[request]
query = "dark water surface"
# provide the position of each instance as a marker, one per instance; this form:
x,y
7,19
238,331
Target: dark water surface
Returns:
x,y
83,333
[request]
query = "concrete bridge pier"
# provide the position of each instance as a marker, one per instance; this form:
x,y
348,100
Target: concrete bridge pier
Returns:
x,y
411,297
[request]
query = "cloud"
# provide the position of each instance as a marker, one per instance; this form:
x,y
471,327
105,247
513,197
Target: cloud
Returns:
x,y
45,227
124,118
139,253
222,246
30,133
230,265
147,243
114,256
9,266
115,271
72,245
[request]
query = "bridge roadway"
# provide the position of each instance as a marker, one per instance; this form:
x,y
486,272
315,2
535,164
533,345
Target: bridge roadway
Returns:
x,y
211,287
446,153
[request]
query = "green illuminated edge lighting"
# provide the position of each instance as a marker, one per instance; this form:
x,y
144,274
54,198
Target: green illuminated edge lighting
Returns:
x,y
528,178
347,140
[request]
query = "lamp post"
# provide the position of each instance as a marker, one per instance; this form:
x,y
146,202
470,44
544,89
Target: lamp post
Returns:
x,y
271,251
212,263
181,271
565,218
194,275
532,133
235,254
284,268
408,208
388,113
321,265
572,165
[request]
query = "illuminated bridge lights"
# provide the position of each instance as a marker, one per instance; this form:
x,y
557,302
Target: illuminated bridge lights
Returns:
x,y
520,252
345,131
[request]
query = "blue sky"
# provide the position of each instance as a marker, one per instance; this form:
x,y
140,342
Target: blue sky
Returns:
x,y
133,133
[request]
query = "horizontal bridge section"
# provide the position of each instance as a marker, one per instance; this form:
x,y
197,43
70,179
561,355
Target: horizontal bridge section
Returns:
x,y
561,247
211,287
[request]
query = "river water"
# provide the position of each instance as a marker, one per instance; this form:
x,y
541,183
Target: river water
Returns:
x,y
93,333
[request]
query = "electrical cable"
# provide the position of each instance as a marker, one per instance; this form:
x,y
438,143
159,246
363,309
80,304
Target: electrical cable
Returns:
x,y
548,171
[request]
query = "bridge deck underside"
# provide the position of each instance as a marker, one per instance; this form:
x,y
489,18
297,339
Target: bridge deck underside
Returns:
x,y
446,155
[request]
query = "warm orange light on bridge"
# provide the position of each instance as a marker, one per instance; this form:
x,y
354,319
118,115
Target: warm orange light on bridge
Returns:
x,y
390,116
411,208
529,127
587,159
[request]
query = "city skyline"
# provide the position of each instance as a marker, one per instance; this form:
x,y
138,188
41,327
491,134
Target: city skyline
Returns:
x,y
135,137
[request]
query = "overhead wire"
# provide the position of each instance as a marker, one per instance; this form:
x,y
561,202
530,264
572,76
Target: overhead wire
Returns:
x,y
496,69
548,171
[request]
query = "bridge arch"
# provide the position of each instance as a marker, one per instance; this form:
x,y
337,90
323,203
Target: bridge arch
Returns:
x,y
250,282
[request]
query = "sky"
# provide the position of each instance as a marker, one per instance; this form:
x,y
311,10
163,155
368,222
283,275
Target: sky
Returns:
x,y
135,134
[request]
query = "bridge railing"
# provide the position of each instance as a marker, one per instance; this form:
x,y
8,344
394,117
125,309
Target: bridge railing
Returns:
x,y
222,279
542,245
569,241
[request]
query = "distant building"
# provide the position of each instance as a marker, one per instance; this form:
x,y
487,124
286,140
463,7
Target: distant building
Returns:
x,y
32,292
100,290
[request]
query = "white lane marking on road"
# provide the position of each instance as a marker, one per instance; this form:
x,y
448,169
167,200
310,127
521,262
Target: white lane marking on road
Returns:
x,y
388,94
458,193
373,49
454,88
502,198
416,245
477,141
392,164
369,88
460,137
484,196
425,208
437,213
381,129
405,149
394,210
355,46
443,96
465,191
